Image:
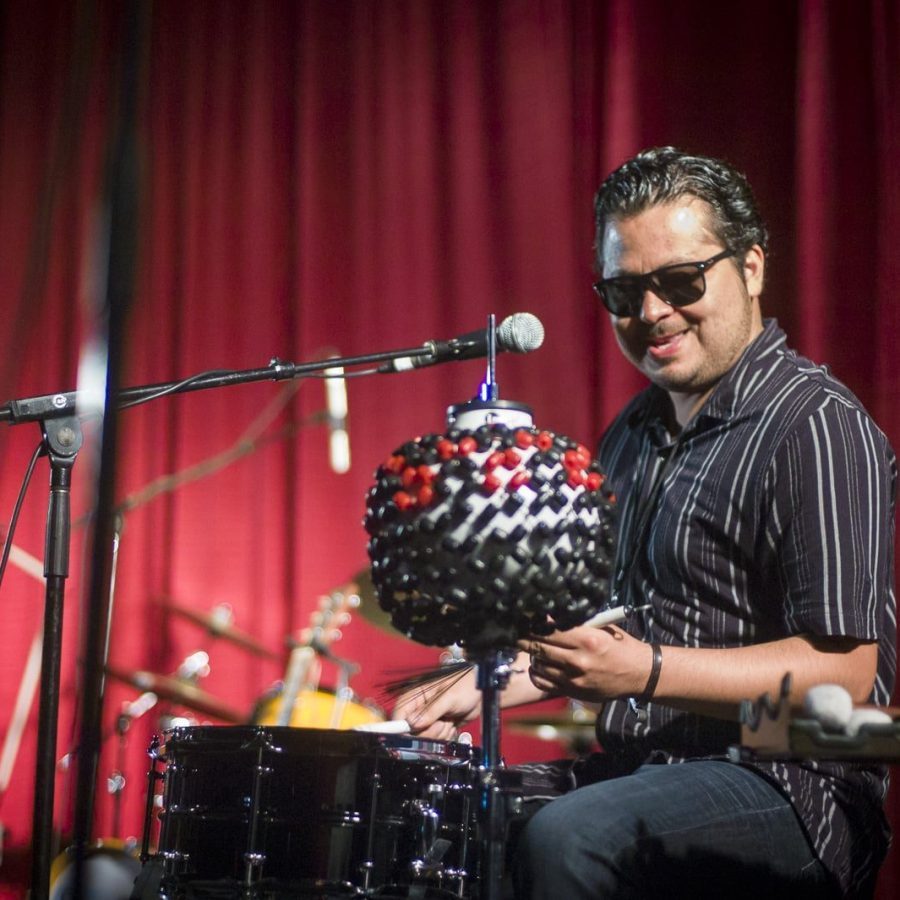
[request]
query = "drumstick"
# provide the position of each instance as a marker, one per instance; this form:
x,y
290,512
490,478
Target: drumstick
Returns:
x,y
614,616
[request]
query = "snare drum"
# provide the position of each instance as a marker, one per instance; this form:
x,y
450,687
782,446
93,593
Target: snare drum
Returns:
x,y
315,813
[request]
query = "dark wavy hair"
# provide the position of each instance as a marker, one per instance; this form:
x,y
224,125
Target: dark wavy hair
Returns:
x,y
664,174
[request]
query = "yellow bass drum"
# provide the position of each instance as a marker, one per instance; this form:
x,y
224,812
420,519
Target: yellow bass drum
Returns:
x,y
318,709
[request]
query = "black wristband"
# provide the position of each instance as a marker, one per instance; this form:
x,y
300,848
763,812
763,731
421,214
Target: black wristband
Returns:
x,y
653,680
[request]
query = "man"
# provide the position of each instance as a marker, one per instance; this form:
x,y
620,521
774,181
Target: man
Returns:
x,y
756,522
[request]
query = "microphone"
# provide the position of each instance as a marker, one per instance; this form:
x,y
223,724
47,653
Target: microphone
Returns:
x,y
521,333
336,414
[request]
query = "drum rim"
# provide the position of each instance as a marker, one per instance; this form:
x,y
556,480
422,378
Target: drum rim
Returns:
x,y
286,738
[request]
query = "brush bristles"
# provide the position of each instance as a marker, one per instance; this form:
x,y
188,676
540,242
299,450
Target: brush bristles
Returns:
x,y
441,677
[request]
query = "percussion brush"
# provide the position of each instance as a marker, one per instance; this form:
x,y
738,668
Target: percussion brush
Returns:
x,y
441,677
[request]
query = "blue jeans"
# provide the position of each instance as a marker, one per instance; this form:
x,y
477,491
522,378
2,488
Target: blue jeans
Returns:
x,y
706,828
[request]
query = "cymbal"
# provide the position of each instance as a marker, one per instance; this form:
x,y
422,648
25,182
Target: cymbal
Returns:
x,y
368,609
181,692
561,725
219,627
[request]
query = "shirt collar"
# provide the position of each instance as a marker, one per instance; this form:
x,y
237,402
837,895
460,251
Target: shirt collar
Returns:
x,y
737,383
731,391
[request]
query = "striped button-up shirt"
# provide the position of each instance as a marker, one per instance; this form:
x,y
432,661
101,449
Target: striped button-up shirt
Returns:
x,y
769,515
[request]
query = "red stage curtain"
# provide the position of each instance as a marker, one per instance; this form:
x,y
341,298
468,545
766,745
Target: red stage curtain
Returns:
x,y
358,176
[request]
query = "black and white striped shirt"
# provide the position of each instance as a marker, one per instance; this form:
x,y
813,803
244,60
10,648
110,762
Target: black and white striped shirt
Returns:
x,y
770,515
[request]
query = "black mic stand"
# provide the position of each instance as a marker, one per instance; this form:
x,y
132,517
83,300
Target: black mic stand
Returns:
x,y
62,438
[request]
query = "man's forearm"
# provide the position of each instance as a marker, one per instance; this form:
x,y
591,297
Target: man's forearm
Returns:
x,y
714,681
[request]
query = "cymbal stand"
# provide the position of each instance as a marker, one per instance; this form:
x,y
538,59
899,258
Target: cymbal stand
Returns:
x,y
115,783
495,804
343,692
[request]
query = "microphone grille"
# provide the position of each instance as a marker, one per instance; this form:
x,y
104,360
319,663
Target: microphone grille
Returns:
x,y
521,332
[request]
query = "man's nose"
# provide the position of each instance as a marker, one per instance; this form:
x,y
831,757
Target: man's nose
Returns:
x,y
653,308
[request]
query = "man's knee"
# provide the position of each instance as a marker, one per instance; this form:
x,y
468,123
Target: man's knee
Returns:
x,y
556,849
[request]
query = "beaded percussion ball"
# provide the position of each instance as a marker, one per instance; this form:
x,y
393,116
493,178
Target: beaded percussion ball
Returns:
x,y
481,537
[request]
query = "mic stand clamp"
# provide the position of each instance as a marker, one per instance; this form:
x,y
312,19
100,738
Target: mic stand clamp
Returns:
x,y
498,801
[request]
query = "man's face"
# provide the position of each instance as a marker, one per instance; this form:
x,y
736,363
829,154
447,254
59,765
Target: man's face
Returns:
x,y
684,350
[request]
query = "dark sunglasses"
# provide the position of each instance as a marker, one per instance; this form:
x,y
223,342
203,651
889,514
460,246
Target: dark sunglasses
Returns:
x,y
678,285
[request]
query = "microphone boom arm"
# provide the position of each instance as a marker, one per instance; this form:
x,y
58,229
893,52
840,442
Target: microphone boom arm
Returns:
x,y
65,403
468,346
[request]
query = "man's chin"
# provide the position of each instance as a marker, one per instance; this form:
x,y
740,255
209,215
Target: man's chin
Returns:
x,y
674,382
669,376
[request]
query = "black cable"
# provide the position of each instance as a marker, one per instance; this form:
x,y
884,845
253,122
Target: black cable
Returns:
x,y
223,373
174,388
7,544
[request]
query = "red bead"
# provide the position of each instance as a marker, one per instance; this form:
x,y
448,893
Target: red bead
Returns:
x,y
571,460
403,500
408,476
544,440
524,439
584,454
446,449
424,474
425,495
467,445
491,483
494,460
518,479
512,458
594,481
395,463
576,477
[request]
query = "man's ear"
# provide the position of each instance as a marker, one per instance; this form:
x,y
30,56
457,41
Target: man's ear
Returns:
x,y
754,269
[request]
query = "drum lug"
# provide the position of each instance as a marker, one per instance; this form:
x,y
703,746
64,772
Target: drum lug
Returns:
x,y
254,861
174,862
431,848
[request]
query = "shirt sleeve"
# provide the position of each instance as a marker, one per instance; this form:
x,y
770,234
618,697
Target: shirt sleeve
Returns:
x,y
829,514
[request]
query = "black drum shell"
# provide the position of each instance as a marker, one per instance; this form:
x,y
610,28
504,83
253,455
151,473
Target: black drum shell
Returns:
x,y
305,810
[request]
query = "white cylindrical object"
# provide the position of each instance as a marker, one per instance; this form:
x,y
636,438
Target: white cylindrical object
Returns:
x,y
394,726
860,717
830,705
472,415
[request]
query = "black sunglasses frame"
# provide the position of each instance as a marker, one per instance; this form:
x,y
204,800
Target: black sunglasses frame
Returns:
x,y
638,285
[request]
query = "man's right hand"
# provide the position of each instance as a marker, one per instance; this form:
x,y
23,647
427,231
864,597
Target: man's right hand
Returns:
x,y
436,711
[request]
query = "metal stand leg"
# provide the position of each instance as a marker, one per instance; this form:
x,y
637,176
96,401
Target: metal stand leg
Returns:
x,y
495,808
